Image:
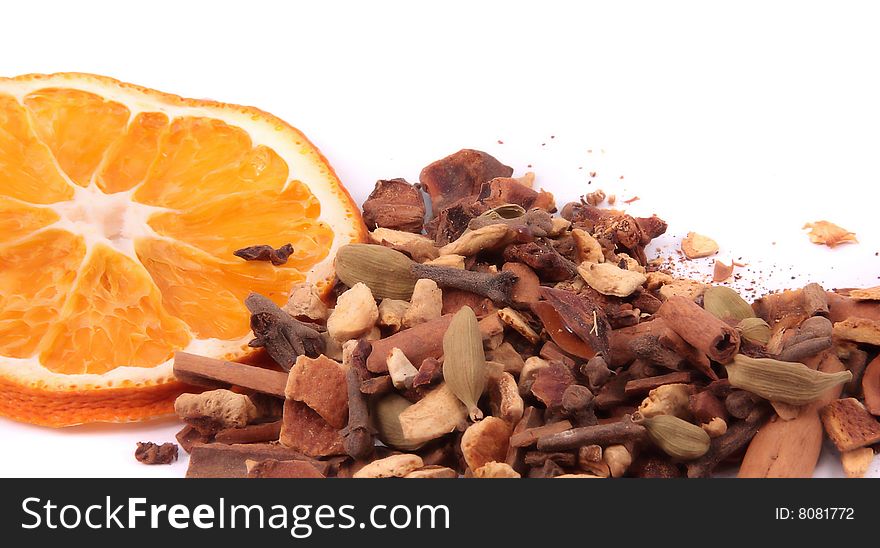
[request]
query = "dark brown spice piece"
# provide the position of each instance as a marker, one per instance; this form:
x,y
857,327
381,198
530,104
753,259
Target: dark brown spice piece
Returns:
x,y
550,384
538,458
543,259
430,372
284,337
189,436
376,386
548,470
418,343
577,402
597,373
701,329
460,175
265,253
582,316
530,436
395,204
151,453
654,467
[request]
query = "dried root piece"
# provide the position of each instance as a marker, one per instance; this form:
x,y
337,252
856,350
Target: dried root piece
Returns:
x,y
432,472
420,248
402,371
473,242
668,399
825,233
216,409
518,322
437,414
589,250
391,312
608,279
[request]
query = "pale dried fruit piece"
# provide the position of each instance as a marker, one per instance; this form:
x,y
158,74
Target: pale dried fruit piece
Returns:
x,y
618,458
849,425
432,472
395,466
496,470
320,384
426,303
860,330
518,322
609,279
355,314
504,398
437,414
402,371
453,261
826,233
867,294
721,271
589,250
420,248
716,427
680,287
668,399
696,246
485,441
472,242
856,462
391,312
220,407
306,301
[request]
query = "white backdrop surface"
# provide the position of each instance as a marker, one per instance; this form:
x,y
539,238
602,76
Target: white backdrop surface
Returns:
x,y
740,120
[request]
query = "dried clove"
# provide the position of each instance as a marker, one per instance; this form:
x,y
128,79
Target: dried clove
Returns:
x,y
357,436
265,253
284,337
497,287
543,259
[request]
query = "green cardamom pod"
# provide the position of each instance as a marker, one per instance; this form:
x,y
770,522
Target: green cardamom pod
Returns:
x,y
676,437
755,330
464,362
387,416
385,271
723,303
778,381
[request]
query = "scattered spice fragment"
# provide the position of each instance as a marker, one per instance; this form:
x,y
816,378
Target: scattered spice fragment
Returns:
x,y
721,272
826,233
265,253
152,453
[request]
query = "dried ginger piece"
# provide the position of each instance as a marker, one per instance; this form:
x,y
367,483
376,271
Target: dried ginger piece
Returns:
x,y
721,271
825,233
697,246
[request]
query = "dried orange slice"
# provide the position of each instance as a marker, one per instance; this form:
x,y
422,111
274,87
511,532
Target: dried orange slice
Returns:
x,y
120,208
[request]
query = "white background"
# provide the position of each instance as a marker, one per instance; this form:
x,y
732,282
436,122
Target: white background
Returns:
x,y
741,120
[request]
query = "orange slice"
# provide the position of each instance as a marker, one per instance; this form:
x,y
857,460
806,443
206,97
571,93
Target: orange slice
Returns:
x,y
120,208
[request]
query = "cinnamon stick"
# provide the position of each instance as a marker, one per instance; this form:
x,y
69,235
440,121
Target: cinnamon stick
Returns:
x,y
194,369
417,343
643,386
701,329
530,436
217,460
252,433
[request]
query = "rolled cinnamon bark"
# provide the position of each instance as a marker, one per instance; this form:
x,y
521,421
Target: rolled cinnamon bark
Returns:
x,y
700,329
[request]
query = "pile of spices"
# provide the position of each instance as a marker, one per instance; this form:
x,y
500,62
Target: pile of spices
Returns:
x,y
501,340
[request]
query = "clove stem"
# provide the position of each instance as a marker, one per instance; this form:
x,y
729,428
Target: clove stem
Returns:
x,y
497,287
